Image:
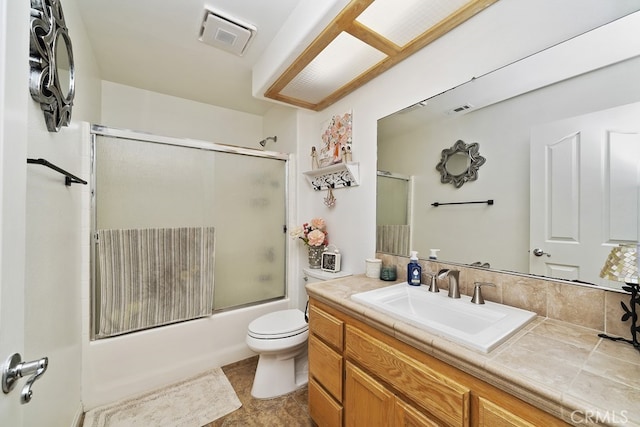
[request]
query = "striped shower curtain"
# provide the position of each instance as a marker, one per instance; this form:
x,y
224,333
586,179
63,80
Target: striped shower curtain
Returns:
x,y
152,277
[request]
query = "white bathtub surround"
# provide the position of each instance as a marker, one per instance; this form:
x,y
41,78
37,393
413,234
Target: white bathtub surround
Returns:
x,y
160,356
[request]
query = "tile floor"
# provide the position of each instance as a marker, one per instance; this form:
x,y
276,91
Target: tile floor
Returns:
x,y
289,410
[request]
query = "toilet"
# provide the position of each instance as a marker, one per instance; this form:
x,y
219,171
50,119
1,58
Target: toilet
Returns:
x,y
281,339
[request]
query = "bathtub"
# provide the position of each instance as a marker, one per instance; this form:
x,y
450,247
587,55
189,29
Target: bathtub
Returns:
x,y
128,365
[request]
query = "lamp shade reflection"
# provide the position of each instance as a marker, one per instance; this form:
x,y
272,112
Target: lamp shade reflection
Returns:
x,y
621,264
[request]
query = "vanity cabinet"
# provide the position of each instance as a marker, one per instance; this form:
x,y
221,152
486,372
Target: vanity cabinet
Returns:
x,y
361,376
326,368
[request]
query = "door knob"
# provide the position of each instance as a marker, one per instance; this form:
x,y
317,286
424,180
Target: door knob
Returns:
x,y
540,252
14,369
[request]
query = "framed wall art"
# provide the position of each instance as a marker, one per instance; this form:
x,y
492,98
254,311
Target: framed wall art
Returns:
x,y
336,140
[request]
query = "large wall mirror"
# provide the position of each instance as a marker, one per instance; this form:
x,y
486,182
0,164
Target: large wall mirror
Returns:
x,y
564,169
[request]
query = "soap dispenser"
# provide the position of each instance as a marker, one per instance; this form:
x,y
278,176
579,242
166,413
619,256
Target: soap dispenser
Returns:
x,y
414,271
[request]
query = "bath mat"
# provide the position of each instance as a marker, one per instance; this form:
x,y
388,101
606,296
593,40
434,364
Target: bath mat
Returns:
x,y
190,403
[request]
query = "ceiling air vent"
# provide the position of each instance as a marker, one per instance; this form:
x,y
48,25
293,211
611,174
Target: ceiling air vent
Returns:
x,y
226,33
460,109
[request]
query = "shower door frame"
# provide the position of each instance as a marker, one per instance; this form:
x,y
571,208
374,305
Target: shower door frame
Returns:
x,y
105,131
410,196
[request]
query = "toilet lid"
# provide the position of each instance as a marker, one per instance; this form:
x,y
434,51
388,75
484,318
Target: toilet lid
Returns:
x,y
279,323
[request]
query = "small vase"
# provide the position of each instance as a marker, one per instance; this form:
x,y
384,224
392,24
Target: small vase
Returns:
x,y
315,256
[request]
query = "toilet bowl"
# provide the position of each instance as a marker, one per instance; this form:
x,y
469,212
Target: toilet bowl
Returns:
x,y
281,340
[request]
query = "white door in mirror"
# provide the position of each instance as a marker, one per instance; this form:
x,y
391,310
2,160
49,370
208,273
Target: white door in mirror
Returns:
x,y
587,161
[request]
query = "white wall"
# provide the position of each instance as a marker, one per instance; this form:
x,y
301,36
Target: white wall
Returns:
x,y
56,242
126,107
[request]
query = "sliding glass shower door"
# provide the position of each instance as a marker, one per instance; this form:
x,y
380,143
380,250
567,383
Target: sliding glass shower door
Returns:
x,y
249,206
141,182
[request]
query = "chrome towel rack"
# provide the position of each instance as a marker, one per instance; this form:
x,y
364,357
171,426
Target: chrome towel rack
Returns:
x,y
68,177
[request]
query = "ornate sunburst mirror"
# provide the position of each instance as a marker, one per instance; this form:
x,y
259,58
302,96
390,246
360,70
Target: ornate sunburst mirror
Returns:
x,y
460,163
52,76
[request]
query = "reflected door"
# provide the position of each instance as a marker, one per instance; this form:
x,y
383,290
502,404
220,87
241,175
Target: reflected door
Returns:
x,y
584,192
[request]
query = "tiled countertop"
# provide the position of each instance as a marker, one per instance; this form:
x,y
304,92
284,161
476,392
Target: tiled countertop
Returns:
x,y
561,368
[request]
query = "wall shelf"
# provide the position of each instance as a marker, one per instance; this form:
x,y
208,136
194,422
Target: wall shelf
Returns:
x,y
334,176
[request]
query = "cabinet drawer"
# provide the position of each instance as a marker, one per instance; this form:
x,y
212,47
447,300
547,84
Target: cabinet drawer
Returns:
x,y
499,410
327,327
435,392
325,365
323,409
407,416
492,415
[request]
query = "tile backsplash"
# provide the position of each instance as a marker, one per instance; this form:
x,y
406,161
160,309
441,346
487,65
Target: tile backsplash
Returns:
x,y
587,306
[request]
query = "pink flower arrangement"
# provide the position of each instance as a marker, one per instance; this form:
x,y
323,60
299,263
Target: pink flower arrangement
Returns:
x,y
313,233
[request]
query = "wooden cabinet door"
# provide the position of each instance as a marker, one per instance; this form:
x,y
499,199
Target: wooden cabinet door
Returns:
x,y
324,410
367,402
408,416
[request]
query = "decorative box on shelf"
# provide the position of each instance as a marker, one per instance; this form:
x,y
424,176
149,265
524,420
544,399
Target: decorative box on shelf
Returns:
x,y
334,176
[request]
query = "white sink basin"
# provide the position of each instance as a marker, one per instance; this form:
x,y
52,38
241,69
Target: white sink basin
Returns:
x,y
478,326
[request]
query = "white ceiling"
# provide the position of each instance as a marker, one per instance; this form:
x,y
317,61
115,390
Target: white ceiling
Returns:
x,y
153,45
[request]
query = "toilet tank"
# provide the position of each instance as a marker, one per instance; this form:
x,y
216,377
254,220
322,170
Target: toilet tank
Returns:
x,y
313,275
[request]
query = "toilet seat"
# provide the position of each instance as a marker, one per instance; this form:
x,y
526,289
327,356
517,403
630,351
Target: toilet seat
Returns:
x,y
278,325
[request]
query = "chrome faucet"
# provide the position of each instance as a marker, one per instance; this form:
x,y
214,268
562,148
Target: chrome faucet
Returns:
x,y
454,279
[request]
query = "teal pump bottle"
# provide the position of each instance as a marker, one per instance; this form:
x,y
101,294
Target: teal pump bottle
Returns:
x,y
414,271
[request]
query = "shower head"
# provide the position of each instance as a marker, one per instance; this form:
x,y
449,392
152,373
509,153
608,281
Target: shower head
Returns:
x,y
264,141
